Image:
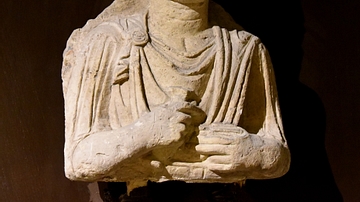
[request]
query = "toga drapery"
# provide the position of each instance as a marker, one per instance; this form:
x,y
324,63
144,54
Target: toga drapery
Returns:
x,y
116,78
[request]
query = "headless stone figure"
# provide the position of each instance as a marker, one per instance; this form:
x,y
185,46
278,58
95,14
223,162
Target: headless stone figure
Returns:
x,y
159,90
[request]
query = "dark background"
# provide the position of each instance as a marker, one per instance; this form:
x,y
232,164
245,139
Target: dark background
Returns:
x,y
315,48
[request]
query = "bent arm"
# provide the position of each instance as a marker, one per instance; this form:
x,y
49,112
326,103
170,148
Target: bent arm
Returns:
x,y
89,61
246,138
267,146
99,154
92,145
104,155
272,158
229,149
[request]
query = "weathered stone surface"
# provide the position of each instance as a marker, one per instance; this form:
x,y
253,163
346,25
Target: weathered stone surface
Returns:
x,y
160,90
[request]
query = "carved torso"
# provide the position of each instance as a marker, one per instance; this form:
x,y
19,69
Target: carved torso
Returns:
x,y
119,78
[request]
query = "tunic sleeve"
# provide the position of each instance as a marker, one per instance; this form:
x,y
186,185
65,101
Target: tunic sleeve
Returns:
x,y
260,108
241,89
241,97
88,73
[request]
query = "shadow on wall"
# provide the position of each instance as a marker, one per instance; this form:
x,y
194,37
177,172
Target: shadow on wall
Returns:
x,y
280,27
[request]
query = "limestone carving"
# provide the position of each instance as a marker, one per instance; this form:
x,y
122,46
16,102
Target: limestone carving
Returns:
x,y
170,90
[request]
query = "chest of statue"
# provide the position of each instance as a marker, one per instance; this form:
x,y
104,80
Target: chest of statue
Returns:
x,y
172,75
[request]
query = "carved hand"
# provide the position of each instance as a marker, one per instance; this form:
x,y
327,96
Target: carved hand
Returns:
x,y
173,123
226,147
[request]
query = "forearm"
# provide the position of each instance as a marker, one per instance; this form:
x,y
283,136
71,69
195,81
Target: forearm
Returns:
x,y
231,149
265,157
99,154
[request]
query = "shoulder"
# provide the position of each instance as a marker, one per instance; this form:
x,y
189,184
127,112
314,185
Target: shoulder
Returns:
x,y
89,37
119,28
244,37
242,40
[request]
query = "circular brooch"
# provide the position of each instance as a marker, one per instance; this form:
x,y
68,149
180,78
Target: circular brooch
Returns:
x,y
139,37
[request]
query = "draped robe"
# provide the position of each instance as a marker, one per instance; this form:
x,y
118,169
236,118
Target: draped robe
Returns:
x,y
117,71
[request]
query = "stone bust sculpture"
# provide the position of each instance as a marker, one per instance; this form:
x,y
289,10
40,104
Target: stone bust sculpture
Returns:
x,y
170,90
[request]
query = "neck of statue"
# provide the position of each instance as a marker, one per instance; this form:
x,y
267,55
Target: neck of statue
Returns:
x,y
172,22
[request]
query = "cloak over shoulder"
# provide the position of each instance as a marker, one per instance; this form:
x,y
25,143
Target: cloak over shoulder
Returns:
x,y
109,80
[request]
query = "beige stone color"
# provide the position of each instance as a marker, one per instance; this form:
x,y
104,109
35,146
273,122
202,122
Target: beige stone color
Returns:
x,y
170,90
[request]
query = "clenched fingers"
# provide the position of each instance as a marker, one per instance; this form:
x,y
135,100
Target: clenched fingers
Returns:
x,y
214,149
